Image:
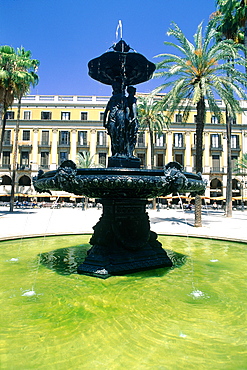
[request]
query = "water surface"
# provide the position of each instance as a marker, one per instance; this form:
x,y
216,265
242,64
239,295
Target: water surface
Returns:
x,y
190,317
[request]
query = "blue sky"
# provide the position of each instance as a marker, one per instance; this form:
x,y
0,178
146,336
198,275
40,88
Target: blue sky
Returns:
x,y
64,35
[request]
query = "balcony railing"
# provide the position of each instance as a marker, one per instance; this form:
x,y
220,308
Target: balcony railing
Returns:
x,y
163,146
217,170
44,144
140,145
102,143
63,144
44,167
216,148
83,144
23,167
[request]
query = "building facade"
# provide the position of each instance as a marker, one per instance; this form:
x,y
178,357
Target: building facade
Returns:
x,y
56,128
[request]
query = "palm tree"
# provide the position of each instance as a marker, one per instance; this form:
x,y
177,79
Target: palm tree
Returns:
x,y
24,76
232,15
84,160
241,165
152,119
7,68
229,20
196,76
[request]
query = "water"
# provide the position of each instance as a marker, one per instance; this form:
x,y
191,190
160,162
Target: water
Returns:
x,y
147,320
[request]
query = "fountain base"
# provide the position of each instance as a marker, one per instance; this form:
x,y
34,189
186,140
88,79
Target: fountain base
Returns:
x,y
122,241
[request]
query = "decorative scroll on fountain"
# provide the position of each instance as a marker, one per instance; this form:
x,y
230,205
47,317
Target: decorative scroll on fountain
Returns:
x,y
122,241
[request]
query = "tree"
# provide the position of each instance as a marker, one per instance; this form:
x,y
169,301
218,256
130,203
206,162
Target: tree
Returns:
x,y
84,160
152,119
24,76
230,21
241,165
195,77
7,70
232,16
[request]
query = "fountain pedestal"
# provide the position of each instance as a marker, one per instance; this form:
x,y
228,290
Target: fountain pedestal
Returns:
x,y
122,241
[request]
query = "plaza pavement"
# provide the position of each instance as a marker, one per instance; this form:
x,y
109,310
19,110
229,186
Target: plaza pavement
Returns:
x,y
45,221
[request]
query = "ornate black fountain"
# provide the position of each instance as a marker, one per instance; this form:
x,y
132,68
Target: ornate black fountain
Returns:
x,y
122,241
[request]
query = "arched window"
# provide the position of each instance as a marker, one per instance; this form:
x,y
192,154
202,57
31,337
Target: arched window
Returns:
x,y
24,181
6,180
215,188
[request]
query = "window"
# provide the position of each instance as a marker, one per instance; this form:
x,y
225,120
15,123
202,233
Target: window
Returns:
x,y
234,160
178,118
142,158
101,138
45,137
82,137
233,121
179,158
7,137
45,115
101,116
214,120
64,137
195,118
6,159
102,159
10,115
65,116
27,115
234,141
141,139
178,140
216,163
24,159
160,140
84,116
215,140
26,135
44,159
63,156
160,160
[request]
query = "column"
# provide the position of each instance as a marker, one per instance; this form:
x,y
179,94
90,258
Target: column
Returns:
x,y
187,159
93,142
169,147
73,149
206,156
54,143
34,158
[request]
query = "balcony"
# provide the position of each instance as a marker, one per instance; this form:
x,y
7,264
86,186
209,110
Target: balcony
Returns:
x,y
44,144
44,167
160,146
141,145
218,148
63,144
5,166
84,144
7,144
25,146
102,144
216,169
178,147
23,167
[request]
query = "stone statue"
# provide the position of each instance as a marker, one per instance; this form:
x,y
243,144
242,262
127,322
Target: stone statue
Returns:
x,y
116,120
132,120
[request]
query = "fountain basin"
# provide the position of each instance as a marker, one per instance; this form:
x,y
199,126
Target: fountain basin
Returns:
x,y
192,314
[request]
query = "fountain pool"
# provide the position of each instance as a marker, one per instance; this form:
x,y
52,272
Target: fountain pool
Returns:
x,y
190,316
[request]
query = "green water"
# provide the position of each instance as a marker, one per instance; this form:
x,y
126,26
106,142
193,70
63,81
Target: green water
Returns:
x,y
189,317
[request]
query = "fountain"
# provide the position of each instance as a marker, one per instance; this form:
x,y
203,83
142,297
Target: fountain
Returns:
x,y
122,241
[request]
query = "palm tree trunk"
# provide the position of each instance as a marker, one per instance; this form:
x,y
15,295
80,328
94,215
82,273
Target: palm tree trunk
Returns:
x,y
12,195
152,160
229,167
3,132
200,108
245,43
